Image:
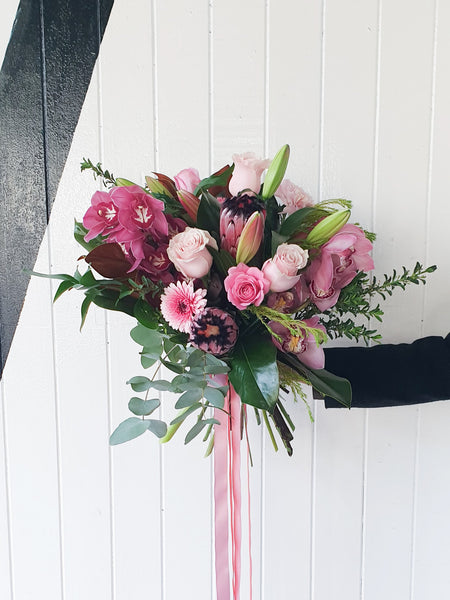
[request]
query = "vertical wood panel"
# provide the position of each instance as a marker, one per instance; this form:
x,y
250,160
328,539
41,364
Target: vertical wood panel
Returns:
x,y
127,149
182,67
402,180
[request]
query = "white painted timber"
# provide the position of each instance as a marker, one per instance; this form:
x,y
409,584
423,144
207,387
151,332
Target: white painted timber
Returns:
x,y
360,512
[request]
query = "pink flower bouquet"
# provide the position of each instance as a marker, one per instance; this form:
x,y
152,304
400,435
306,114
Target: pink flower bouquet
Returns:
x,y
236,278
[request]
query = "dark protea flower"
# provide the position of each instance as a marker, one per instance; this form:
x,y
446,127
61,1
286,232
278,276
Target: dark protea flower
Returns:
x,y
234,214
214,331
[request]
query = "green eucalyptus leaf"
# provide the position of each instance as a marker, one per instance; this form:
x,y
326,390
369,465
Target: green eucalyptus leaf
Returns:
x,y
143,407
148,338
176,368
254,372
140,383
128,430
159,428
162,385
196,358
147,361
189,398
197,428
216,369
214,397
180,418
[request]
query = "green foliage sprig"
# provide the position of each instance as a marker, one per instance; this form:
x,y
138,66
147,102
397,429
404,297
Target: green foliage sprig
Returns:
x,y
106,176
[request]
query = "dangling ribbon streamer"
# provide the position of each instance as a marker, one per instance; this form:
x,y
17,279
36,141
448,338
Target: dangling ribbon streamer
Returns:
x,y
227,495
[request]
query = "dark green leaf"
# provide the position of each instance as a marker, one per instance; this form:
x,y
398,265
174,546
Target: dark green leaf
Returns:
x,y
219,179
108,299
254,372
208,214
143,407
277,239
63,287
294,222
223,260
323,381
85,307
128,430
79,231
145,314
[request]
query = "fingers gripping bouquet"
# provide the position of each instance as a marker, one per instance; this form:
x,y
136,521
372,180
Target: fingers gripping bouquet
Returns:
x,y
228,276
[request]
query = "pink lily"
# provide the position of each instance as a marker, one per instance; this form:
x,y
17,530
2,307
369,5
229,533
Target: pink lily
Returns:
x,y
190,203
251,238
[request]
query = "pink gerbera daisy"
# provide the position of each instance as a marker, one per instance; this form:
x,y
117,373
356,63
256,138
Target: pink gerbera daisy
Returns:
x,y
180,304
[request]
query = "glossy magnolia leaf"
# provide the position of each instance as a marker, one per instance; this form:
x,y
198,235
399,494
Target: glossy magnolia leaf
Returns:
x,y
216,180
159,428
214,397
145,314
197,428
109,260
294,222
254,372
128,430
323,381
143,407
189,398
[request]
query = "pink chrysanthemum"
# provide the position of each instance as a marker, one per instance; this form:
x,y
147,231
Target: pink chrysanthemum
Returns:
x,y
180,305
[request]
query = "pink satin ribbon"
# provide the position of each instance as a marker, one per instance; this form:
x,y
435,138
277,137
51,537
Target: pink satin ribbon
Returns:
x,y
227,496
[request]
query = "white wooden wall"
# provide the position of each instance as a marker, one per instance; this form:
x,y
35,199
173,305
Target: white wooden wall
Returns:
x,y
361,92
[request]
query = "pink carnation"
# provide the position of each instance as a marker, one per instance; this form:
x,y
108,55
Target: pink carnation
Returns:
x,y
180,305
246,285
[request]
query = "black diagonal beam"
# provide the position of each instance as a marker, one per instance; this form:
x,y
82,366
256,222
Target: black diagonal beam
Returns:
x,y
43,82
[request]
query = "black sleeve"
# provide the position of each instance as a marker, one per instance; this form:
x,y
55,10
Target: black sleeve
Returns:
x,y
393,374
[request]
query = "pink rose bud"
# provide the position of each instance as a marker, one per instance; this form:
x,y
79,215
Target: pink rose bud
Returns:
x,y
282,269
189,253
247,173
187,179
245,286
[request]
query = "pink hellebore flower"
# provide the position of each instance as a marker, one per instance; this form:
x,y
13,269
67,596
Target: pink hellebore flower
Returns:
x,y
139,213
245,285
304,347
101,217
346,253
282,269
292,196
187,180
247,173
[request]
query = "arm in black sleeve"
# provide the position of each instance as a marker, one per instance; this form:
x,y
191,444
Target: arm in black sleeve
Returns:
x,y
393,374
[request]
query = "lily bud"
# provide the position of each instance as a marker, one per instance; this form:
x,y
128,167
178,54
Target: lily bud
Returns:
x,y
275,172
155,186
121,182
189,202
251,238
327,227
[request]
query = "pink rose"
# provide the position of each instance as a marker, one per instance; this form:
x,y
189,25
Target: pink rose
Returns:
x,y
282,269
245,285
247,173
292,196
188,252
187,180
